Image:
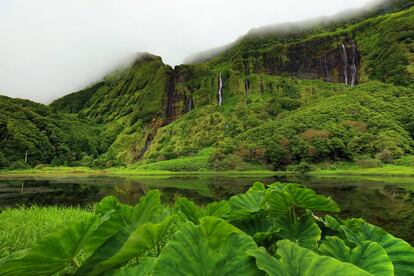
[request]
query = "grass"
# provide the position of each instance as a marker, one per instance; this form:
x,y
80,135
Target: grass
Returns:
x,y
386,170
172,167
181,166
21,227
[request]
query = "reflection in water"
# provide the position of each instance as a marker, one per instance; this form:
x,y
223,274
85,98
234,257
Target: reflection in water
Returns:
x,y
388,202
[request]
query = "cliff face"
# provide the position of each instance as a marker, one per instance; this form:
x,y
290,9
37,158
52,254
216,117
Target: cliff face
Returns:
x,y
145,108
328,60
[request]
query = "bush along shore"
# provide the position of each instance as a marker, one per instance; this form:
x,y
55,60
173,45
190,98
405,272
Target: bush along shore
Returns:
x,y
281,229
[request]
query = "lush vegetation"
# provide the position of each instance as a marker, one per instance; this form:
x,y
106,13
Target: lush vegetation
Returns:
x,y
31,134
21,228
278,230
284,105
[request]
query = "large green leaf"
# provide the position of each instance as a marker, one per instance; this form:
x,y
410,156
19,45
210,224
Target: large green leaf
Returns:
x,y
120,215
280,198
217,209
190,211
369,256
265,262
129,242
143,269
52,253
214,247
112,204
260,227
149,209
297,261
302,230
243,206
399,251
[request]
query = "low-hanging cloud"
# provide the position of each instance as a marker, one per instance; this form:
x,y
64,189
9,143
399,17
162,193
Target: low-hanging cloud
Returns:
x,y
49,48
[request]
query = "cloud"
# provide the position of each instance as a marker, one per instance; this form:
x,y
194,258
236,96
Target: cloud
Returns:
x,y
50,48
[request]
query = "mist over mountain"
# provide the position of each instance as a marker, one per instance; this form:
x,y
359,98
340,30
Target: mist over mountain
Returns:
x,y
338,90
50,48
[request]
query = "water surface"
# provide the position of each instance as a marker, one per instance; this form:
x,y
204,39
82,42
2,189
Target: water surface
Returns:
x,y
385,201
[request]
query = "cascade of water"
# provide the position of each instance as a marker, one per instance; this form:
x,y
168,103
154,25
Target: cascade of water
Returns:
x,y
246,87
145,148
220,91
353,64
189,104
345,63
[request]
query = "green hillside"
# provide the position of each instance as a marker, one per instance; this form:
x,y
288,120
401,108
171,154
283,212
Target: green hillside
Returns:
x,y
31,134
335,91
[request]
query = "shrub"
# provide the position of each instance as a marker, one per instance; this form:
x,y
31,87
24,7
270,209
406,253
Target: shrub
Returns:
x,y
405,161
369,163
56,162
3,161
18,165
303,167
86,161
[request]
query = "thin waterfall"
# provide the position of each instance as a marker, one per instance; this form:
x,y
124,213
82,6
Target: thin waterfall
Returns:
x,y
146,146
353,64
345,63
189,104
220,91
246,87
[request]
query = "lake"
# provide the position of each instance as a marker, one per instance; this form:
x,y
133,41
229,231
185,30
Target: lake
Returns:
x,y
384,201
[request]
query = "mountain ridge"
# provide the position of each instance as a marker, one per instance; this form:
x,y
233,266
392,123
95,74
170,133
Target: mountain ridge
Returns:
x,y
150,112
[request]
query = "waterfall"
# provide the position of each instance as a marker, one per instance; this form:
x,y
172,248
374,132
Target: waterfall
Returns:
x,y
145,148
220,91
246,87
345,63
189,104
353,64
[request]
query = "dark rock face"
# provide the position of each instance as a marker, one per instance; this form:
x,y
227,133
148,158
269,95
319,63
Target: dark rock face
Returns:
x,y
332,61
179,92
170,92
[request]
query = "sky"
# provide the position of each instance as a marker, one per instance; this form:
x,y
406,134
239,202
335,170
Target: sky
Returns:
x,y
50,48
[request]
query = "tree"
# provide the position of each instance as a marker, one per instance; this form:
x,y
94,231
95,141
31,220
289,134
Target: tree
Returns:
x,y
3,161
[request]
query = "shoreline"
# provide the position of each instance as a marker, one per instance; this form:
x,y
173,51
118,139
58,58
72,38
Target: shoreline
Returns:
x,y
387,170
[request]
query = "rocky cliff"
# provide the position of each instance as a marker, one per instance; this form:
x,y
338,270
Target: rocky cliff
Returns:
x,y
151,111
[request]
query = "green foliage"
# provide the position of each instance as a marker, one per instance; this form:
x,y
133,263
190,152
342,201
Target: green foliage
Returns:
x,y
34,130
367,255
151,114
3,161
295,260
21,228
270,230
212,248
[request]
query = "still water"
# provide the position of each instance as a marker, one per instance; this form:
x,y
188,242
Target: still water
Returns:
x,y
385,201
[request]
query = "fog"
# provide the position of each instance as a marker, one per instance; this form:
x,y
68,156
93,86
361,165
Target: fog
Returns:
x,y
49,48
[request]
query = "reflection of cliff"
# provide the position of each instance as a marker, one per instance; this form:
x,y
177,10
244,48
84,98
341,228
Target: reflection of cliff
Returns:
x,y
47,192
390,207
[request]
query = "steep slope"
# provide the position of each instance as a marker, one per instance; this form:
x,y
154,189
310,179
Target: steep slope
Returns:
x,y
274,98
378,48
32,132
